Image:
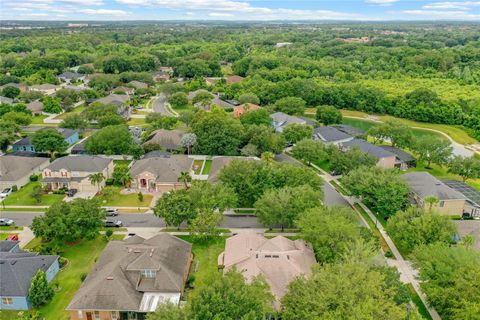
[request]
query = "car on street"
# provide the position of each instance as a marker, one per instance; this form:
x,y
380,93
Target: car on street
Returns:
x,y
6,222
111,212
111,223
6,192
71,192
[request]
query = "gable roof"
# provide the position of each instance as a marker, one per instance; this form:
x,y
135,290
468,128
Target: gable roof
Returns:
x,y
355,132
8,245
424,184
138,84
6,100
80,163
369,148
44,87
13,168
281,119
116,99
399,153
67,133
166,169
279,259
115,282
168,139
35,106
17,270
330,134
234,79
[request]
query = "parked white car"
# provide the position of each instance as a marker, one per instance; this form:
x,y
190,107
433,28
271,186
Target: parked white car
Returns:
x,y
6,222
6,192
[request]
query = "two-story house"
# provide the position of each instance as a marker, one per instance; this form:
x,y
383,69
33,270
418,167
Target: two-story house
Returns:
x,y
25,144
73,172
133,277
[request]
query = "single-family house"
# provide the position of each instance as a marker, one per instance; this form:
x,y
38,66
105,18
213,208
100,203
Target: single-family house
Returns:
x,y
210,81
132,278
423,184
246,107
35,106
22,86
138,84
280,120
279,260
160,174
472,195
25,144
234,79
73,172
161,76
16,170
17,268
385,159
354,132
156,154
118,100
69,77
6,100
166,69
330,135
167,139
47,88
124,90
403,160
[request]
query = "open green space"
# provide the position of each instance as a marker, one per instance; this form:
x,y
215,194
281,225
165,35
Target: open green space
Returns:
x,y
77,110
23,197
81,258
122,163
204,269
137,122
455,132
124,200
208,167
38,119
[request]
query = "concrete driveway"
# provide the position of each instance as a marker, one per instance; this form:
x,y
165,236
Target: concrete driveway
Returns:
x,y
81,195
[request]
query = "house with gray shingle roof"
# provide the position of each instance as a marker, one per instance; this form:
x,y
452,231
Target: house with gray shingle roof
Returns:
x,y
69,76
423,184
331,135
133,277
167,139
118,100
17,268
6,100
386,159
280,120
16,170
73,172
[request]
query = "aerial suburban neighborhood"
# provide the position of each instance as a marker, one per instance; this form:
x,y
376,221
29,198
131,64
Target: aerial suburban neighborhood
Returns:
x,y
238,170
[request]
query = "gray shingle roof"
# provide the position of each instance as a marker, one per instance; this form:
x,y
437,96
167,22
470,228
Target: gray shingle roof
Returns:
x,y
71,75
7,245
424,184
167,169
17,270
80,163
168,139
401,155
115,282
6,100
13,168
369,148
349,129
116,99
283,119
330,134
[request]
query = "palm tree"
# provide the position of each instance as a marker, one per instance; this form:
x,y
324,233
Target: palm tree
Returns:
x,y
126,179
431,201
96,179
185,177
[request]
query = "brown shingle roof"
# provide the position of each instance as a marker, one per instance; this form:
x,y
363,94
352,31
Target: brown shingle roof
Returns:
x,y
166,169
168,139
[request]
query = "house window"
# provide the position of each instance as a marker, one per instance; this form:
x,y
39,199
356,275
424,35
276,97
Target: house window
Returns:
x,y
114,315
148,273
80,314
63,173
96,315
441,204
7,301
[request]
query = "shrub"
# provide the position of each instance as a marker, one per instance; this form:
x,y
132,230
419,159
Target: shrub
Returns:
x,y
109,233
14,188
83,276
34,178
388,254
109,182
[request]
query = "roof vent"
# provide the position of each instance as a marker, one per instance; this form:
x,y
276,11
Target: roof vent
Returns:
x,y
151,252
109,278
136,251
13,262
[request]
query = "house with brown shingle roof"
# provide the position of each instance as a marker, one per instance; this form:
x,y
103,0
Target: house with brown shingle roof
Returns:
x,y
167,139
133,277
246,107
279,260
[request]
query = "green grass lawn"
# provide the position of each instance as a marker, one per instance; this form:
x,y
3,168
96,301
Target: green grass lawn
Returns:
x,y
208,167
137,122
325,165
81,258
374,229
77,110
22,197
38,119
125,200
122,163
11,228
422,309
204,266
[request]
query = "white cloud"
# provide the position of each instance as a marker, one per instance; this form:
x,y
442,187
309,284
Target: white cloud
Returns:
x,y
443,14
462,5
219,14
103,12
382,2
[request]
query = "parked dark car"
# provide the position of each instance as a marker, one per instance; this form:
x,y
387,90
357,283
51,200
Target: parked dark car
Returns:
x,y
71,192
110,223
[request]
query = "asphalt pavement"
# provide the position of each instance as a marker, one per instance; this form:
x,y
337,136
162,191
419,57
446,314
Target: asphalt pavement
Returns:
x,y
158,105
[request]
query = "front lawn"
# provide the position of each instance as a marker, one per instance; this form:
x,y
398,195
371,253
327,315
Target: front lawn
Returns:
x,y
204,267
81,258
122,163
39,119
77,110
23,197
208,167
137,122
124,200
197,164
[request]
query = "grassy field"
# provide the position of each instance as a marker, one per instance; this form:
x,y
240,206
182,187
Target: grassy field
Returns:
x,y
204,266
81,258
454,132
197,164
122,163
77,110
208,167
22,197
125,200
11,228
137,122
38,119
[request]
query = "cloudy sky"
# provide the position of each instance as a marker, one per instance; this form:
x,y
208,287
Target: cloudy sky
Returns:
x,y
238,10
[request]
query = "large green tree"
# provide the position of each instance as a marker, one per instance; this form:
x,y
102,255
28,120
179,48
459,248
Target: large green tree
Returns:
x,y
295,132
309,151
110,140
291,105
432,150
49,140
397,133
40,292
345,161
328,115
465,167
175,207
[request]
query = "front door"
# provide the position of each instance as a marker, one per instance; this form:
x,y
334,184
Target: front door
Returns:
x,y
89,316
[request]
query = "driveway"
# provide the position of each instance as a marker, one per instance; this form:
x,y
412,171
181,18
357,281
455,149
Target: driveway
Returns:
x,y
81,195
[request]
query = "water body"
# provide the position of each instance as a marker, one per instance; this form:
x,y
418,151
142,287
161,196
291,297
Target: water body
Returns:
x,y
364,125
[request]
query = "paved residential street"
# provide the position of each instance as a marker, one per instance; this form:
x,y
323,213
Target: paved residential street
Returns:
x,y
158,106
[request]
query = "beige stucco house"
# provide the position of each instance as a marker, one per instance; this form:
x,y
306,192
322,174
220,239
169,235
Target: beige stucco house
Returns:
x,y
73,172
16,171
423,184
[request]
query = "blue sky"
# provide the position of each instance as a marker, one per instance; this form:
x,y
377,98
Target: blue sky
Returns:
x,y
238,10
